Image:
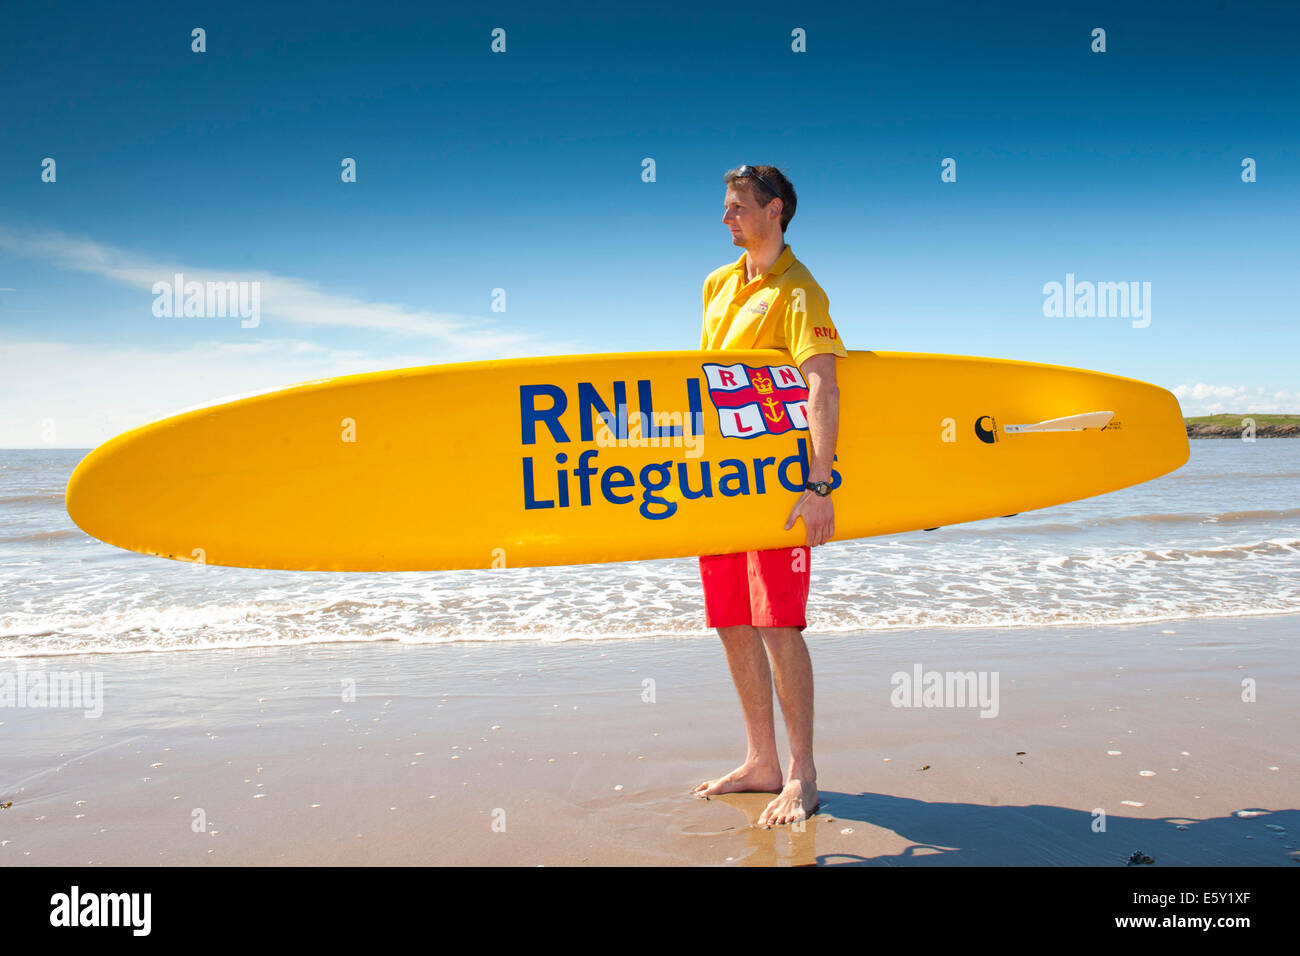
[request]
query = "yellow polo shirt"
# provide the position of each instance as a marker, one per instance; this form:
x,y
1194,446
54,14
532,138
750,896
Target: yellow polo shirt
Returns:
x,y
784,308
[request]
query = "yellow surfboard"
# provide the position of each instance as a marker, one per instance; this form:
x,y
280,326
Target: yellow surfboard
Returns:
x,y
591,458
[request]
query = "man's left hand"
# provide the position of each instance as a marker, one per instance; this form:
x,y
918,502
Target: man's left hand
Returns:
x,y
818,517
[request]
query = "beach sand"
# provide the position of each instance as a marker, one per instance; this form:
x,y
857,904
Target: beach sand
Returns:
x,y
527,754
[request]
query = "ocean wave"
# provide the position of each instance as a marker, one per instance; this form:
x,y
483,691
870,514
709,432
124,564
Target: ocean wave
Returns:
x,y
1011,608
1127,558
32,498
42,536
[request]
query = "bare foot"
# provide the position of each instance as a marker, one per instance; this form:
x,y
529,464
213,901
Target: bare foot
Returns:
x,y
747,778
797,801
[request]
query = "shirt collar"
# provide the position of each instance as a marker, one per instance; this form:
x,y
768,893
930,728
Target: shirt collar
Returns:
x,y
783,262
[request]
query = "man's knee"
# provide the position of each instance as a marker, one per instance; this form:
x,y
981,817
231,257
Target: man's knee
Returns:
x,y
781,636
738,634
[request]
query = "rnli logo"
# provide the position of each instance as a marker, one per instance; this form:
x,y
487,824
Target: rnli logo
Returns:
x,y
825,331
767,400
758,308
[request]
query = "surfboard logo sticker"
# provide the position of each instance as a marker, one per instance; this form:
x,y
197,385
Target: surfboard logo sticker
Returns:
x,y
757,400
987,433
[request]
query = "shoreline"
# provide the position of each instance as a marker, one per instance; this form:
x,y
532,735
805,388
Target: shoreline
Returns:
x,y
1231,432
526,640
1228,425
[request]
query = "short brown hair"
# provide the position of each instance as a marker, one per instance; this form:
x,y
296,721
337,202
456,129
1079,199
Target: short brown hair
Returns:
x,y
763,191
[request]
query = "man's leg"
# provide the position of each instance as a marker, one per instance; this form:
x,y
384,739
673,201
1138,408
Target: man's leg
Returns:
x,y
792,668
752,676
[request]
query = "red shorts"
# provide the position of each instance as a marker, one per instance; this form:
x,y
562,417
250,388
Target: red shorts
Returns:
x,y
761,588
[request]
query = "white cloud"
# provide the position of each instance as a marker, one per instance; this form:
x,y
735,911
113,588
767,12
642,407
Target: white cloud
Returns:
x,y
1205,399
55,394
73,394
283,298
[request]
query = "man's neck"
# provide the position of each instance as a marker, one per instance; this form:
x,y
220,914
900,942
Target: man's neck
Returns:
x,y
758,261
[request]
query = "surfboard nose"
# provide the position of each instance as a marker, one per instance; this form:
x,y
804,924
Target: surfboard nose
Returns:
x,y
115,492
92,492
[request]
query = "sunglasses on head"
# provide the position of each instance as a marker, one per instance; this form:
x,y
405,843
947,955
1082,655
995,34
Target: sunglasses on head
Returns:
x,y
747,170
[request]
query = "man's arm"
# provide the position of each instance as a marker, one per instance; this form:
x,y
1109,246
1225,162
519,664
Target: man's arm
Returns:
x,y
704,326
823,429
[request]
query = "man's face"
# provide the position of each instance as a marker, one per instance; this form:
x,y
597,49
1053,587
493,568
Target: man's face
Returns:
x,y
749,222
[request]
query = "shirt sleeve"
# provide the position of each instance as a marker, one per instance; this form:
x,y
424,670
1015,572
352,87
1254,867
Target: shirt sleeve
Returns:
x,y
809,330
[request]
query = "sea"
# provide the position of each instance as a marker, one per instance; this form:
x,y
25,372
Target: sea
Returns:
x,y
1219,537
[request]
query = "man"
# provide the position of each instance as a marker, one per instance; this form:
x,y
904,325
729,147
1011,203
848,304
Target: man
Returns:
x,y
757,600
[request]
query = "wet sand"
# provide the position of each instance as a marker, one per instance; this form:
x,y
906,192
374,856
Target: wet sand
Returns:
x,y
517,753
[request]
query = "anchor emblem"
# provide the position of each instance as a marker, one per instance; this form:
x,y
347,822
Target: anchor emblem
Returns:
x,y
773,409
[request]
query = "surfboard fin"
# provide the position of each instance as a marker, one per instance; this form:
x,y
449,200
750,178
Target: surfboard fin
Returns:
x,y
1070,423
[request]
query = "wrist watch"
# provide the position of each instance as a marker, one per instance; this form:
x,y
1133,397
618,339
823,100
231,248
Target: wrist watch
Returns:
x,y
822,488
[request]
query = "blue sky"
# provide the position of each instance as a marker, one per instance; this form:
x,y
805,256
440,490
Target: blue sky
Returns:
x,y
522,171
